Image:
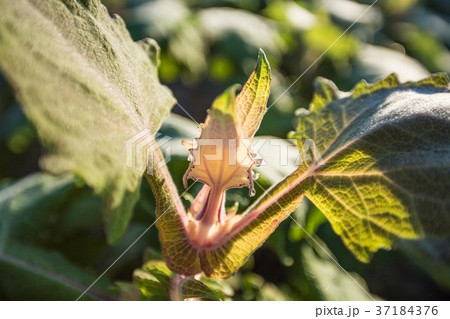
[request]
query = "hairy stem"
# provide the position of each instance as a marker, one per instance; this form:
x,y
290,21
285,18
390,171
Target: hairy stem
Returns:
x,y
162,184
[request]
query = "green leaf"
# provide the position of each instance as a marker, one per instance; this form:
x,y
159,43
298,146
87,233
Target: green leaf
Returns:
x,y
310,220
251,102
88,88
31,273
128,292
27,206
327,280
322,38
430,254
252,287
192,288
177,126
153,280
28,209
157,282
230,27
386,160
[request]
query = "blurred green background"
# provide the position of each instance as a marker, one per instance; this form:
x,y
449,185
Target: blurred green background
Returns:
x,y
55,222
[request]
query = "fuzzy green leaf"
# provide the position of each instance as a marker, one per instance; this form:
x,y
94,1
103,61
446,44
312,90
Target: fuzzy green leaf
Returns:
x,y
88,88
251,102
386,160
383,173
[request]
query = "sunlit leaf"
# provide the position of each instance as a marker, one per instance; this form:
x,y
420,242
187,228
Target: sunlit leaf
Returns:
x,y
386,160
88,88
322,38
192,288
251,102
157,282
153,280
